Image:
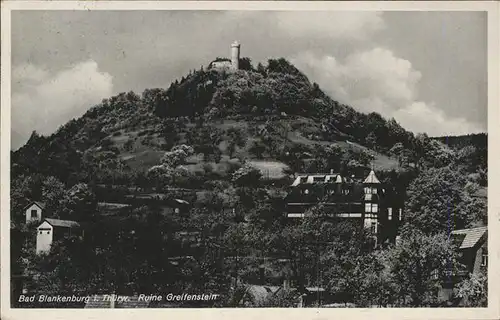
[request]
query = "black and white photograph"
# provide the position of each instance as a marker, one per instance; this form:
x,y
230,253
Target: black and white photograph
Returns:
x,y
216,158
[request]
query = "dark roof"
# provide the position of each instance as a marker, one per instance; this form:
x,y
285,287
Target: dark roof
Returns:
x,y
132,302
472,236
62,223
38,203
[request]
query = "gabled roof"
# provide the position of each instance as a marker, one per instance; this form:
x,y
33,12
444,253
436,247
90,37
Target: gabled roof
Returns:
x,y
372,178
38,203
62,223
472,236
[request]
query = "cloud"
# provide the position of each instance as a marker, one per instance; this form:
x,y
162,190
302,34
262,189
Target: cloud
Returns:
x,y
43,102
378,81
433,121
332,25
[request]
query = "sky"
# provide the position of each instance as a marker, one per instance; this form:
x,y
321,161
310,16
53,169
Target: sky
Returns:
x,y
428,70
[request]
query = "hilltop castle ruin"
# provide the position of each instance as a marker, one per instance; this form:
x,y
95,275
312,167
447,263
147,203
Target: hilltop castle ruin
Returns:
x,y
228,64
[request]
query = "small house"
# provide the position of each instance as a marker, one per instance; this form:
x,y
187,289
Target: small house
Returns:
x,y
52,230
33,211
472,246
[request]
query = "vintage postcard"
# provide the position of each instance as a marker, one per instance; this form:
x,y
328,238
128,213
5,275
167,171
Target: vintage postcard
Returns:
x,y
250,159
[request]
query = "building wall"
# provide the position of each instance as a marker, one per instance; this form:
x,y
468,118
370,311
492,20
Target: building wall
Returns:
x,y
478,258
44,237
30,217
221,64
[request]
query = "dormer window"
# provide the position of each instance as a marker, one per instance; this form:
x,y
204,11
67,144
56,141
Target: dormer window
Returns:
x,y
34,214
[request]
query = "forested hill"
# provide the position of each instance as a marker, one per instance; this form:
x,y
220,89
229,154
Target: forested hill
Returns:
x,y
270,112
472,146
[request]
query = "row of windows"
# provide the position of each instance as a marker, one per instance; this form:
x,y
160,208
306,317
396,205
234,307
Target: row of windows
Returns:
x,y
41,232
373,207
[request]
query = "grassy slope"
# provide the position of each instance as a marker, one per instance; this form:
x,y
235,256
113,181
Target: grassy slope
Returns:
x,y
303,130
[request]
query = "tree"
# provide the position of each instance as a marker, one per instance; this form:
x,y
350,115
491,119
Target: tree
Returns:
x,y
258,148
176,156
474,291
237,138
245,63
247,176
437,201
417,264
52,193
79,203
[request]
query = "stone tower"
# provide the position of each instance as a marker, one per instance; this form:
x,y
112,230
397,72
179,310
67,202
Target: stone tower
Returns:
x,y
235,55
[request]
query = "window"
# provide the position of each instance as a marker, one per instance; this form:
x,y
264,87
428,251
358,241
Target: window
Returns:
x,y
484,258
176,210
306,191
368,190
389,213
374,190
41,232
48,232
400,213
34,214
368,197
371,207
373,227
